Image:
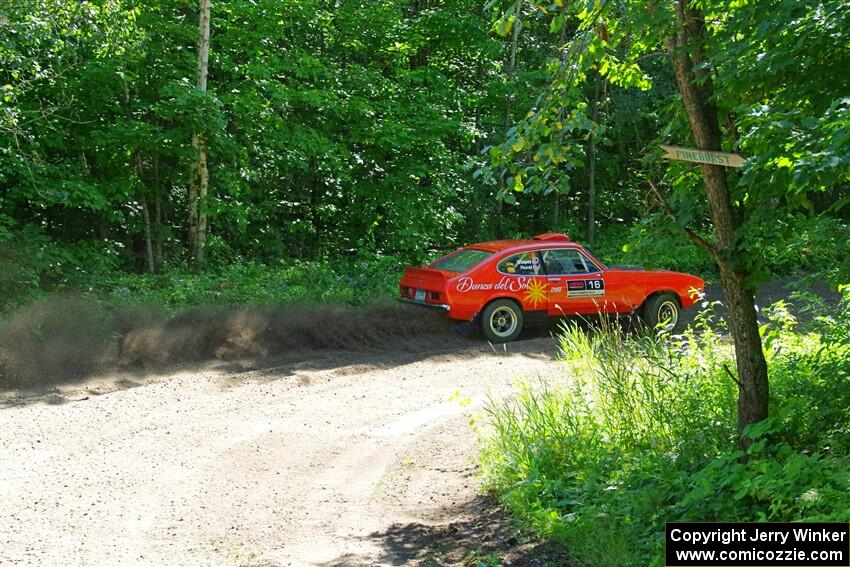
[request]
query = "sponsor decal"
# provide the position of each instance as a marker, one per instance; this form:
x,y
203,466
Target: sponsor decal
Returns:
x,y
507,283
586,288
527,264
466,284
536,292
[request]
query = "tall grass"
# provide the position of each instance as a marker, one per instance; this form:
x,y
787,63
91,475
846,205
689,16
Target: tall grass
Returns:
x,y
642,432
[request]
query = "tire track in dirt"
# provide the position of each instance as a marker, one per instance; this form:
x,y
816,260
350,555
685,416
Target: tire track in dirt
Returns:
x,y
310,464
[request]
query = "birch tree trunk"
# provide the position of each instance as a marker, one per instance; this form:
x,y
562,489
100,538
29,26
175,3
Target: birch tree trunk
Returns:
x,y
695,85
199,182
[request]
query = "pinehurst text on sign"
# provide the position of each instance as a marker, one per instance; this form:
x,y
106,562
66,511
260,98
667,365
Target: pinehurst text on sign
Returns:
x,y
703,156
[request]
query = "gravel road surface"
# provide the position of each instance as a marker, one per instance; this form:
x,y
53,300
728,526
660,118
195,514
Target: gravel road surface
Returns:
x,y
318,461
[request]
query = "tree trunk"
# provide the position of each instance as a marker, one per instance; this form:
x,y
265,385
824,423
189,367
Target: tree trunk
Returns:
x,y
419,59
315,198
591,181
146,217
193,208
506,117
556,207
199,182
157,215
556,210
137,162
696,89
482,190
158,240
203,187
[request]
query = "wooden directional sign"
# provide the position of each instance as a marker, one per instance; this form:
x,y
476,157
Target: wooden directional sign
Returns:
x,y
703,156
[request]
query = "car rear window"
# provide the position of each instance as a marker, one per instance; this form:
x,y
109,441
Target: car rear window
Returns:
x,y
461,260
524,264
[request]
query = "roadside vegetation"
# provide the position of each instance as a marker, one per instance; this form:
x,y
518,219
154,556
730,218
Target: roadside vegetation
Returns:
x,y
36,272
642,431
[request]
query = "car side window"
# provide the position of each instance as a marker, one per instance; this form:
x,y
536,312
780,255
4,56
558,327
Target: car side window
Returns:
x,y
525,264
565,261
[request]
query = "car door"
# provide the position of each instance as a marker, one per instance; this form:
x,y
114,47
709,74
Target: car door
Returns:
x,y
576,284
523,277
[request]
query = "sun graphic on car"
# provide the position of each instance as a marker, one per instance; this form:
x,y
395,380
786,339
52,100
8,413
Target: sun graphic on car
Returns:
x,y
536,292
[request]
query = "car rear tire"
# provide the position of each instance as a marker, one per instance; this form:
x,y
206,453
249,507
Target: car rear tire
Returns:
x,y
663,311
501,321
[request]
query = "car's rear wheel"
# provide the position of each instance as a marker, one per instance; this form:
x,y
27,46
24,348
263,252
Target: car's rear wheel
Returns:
x,y
502,321
663,312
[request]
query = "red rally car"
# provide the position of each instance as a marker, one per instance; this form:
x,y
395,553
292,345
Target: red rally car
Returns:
x,y
500,283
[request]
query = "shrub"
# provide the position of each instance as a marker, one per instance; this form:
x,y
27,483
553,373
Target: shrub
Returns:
x,y
351,282
642,432
32,265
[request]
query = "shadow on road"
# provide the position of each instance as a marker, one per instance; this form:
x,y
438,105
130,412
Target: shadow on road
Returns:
x,y
481,532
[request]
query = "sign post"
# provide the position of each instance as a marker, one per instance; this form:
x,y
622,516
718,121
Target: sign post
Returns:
x,y
696,155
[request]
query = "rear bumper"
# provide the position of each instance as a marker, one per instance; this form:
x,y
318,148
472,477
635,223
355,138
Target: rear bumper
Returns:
x,y
445,308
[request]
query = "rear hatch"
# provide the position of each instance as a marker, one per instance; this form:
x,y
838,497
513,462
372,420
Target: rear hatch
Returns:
x,y
424,284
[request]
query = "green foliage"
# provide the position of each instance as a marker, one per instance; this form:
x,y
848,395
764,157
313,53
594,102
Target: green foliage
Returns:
x,y
641,433
354,282
330,130
781,106
391,129
19,269
656,243
32,264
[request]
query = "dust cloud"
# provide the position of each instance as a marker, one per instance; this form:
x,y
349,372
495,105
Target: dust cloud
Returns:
x,y
67,338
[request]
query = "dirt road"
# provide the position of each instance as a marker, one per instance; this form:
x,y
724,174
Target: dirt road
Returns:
x,y
339,459
332,455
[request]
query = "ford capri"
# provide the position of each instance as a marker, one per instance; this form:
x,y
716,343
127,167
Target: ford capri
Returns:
x,y
500,284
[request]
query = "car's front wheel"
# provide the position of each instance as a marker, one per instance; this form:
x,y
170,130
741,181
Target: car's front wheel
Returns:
x,y
663,311
502,321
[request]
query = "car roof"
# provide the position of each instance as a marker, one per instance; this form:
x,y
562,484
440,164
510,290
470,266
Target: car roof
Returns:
x,y
546,240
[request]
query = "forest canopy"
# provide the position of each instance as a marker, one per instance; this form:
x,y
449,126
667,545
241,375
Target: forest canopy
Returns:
x,y
402,128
